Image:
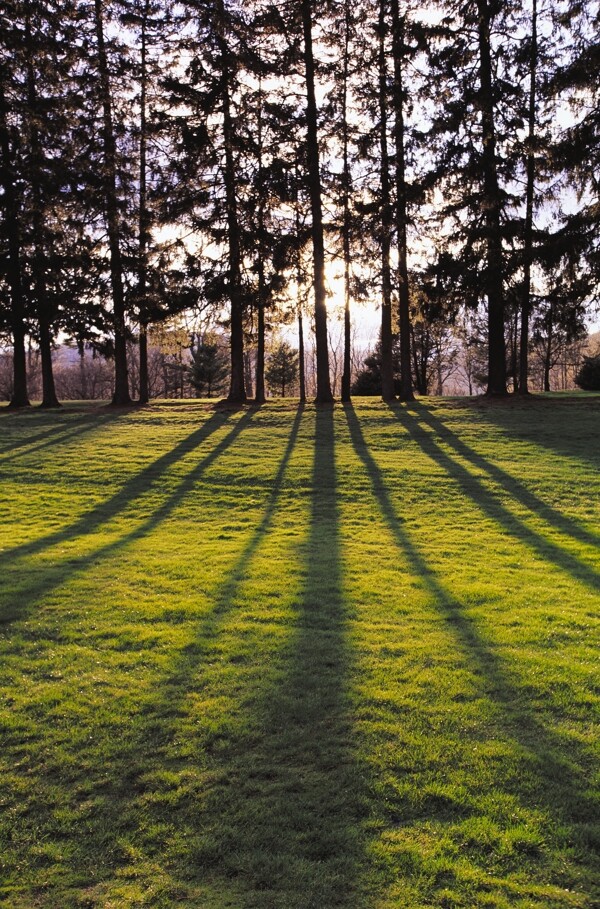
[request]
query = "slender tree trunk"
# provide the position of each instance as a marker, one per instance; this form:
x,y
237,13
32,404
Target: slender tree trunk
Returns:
x,y
301,363
248,373
324,395
346,227
398,51
494,289
49,397
144,374
548,353
415,358
82,377
259,395
144,217
121,394
237,388
528,231
387,342
19,396
514,349
299,285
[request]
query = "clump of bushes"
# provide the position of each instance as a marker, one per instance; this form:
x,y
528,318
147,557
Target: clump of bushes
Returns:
x,y
588,376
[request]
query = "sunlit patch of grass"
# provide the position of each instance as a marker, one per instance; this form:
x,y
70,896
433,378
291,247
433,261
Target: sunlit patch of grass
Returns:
x,y
288,658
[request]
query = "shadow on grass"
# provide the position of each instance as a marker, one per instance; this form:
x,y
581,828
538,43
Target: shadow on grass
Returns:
x,y
513,487
554,762
306,845
56,435
474,489
275,823
551,432
135,487
17,601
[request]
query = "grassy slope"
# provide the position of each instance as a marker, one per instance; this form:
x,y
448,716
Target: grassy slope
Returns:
x,y
293,659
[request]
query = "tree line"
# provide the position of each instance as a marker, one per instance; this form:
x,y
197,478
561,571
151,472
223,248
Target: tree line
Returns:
x,y
160,157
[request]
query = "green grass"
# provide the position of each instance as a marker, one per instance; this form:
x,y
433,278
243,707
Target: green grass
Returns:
x,y
301,659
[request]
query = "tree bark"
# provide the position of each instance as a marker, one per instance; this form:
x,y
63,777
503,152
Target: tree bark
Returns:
x,y
19,397
494,262
237,388
43,306
528,229
144,218
346,226
259,393
387,343
121,394
548,353
398,52
324,395
301,364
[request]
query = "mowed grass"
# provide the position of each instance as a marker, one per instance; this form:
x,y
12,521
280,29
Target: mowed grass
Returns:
x,y
286,658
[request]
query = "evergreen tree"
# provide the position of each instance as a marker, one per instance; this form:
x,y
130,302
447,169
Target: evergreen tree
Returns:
x,y
282,368
210,368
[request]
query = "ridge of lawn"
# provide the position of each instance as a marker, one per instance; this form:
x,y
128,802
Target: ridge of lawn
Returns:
x,y
301,658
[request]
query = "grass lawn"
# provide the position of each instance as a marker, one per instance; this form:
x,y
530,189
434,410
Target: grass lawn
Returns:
x,y
301,659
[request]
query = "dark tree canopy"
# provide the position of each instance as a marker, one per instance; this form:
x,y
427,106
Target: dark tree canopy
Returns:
x,y
235,167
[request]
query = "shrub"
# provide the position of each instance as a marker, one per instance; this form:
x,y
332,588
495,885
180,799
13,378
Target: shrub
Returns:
x,y
588,376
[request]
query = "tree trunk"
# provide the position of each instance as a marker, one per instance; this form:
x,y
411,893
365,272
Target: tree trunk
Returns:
x,y
301,364
144,219
398,52
528,231
324,395
121,394
259,394
144,376
248,373
493,278
237,388
299,285
43,306
387,342
346,227
19,396
548,355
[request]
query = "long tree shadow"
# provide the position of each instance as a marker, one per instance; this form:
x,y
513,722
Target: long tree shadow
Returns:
x,y
582,445
18,600
39,440
475,489
514,487
233,836
57,435
278,827
560,783
311,801
133,488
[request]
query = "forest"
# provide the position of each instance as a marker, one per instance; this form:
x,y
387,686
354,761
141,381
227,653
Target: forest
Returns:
x,y
232,180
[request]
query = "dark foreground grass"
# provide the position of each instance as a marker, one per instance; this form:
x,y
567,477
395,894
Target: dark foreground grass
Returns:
x,y
289,658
